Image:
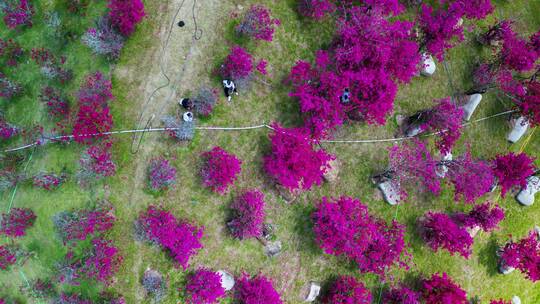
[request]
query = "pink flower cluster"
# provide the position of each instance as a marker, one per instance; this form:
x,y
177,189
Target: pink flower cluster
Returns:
x,y
440,231
78,225
220,169
401,295
10,52
178,237
204,287
161,174
445,119
524,255
294,162
7,130
256,289
48,181
126,14
102,262
248,215
238,65
441,289
512,170
7,257
17,13
346,290
96,162
258,23
16,221
57,105
344,227
486,216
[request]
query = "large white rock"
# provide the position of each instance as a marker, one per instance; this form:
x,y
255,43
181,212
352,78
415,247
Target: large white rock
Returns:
x,y
443,169
428,65
227,280
516,300
470,106
520,126
526,195
314,290
390,192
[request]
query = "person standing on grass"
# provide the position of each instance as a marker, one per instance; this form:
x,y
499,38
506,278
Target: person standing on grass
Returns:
x,y
229,88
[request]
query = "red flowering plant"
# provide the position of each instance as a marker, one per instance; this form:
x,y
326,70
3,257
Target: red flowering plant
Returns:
x,y
96,163
102,261
70,298
51,66
40,288
471,178
262,67
78,225
512,170
529,103
7,130
343,227
401,295
220,169
10,52
500,301
204,287
17,13
16,222
316,9
161,174
477,9
7,257
256,289
411,164
179,238
247,215
126,14
294,163
523,255
440,231
238,65
57,105
48,181
205,101
258,23
9,88
347,290
486,216
104,38
441,289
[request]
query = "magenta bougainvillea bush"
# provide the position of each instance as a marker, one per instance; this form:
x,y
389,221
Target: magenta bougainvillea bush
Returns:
x,y
16,222
7,130
179,238
220,169
102,262
57,105
441,289
440,231
470,177
78,225
347,290
512,170
96,163
445,119
48,181
104,39
248,215
401,295
318,9
411,164
126,14
51,66
17,13
294,163
238,65
256,289
7,257
517,53
70,298
528,104
11,53
9,88
343,227
523,255
204,287
161,174
486,216
258,23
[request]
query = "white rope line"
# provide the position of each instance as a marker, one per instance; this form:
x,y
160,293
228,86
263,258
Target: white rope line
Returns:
x,y
261,126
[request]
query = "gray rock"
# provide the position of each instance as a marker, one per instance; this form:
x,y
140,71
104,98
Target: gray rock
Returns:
x,y
471,105
273,249
314,290
390,191
516,300
227,280
520,126
428,65
526,195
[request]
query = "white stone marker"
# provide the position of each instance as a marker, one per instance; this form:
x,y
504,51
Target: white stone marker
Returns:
x,y
520,126
428,65
470,106
526,195
314,290
390,192
227,280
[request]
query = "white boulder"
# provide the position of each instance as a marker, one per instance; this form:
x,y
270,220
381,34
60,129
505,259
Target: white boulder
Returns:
x,y
227,280
471,105
314,290
520,126
526,195
428,65
516,300
390,192
443,169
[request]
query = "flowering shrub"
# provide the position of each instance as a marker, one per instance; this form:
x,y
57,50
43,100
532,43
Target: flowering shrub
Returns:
x,y
7,257
40,288
316,9
516,52
7,130
238,65
57,105
444,119
477,9
523,255
103,261
294,163
10,52
17,13
256,289
486,216
179,238
501,301
178,128
15,223
161,175
205,101
258,23
440,28
126,14
51,66
401,295
73,226
96,163
347,290
471,178
261,67
248,215
439,231
103,39
220,169
8,88
441,289
512,170
154,284
343,227
529,105
74,298
48,181
411,163
204,287
77,6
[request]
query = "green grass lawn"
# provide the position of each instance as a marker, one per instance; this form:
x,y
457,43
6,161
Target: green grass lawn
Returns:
x,y
301,261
